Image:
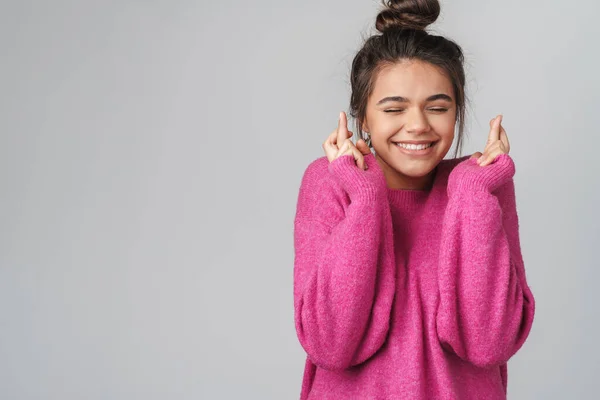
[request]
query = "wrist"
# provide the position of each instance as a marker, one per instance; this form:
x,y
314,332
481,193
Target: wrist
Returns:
x,y
469,176
367,184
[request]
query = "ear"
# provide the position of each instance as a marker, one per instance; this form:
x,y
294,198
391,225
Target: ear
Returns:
x,y
365,126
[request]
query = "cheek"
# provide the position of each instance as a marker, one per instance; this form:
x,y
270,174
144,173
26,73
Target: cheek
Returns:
x,y
445,128
386,126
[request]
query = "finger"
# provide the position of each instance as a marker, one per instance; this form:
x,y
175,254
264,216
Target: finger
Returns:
x,y
503,144
331,138
477,154
490,157
348,148
495,130
360,160
345,148
482,160
504,139
342,131
331,150
361,145
486,152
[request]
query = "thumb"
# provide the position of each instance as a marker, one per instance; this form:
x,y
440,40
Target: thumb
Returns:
x,y
361,145
476,155
494,134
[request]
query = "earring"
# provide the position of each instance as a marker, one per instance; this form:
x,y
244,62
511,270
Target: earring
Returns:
x,y
367,139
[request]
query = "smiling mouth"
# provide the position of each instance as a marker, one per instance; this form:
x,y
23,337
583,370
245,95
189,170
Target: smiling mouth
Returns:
x,y
415,147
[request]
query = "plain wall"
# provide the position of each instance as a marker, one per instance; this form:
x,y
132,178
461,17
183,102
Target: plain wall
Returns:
x,y
150,158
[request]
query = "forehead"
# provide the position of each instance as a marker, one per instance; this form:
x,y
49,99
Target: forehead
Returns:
x,y
413,79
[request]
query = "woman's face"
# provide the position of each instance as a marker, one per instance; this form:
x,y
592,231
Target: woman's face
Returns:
x,y
411,115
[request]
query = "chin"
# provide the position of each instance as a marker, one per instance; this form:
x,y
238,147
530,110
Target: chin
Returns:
x,y
416,171
411,166
415,168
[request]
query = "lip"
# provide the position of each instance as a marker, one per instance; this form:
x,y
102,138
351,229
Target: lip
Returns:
x,y
424,152
414,141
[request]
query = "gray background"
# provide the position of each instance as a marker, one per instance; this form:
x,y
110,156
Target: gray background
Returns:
x,y
150,157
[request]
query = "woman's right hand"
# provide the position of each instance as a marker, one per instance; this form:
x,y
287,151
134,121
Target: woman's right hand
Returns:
x,y
338,143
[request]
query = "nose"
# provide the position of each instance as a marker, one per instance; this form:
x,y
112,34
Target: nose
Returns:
x,y
416,122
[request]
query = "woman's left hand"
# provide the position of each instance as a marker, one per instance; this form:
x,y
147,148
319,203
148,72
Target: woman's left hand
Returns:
x,y
497,143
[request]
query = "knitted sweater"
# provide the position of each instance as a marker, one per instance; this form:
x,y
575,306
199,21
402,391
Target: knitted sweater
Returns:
x,y
408,294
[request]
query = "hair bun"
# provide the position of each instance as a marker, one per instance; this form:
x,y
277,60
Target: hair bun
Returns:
x,y
407,14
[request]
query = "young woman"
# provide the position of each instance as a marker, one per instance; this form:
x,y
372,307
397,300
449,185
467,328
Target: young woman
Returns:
x,y
408,275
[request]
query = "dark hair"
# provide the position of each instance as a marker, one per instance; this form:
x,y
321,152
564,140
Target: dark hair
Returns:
x,y
402,25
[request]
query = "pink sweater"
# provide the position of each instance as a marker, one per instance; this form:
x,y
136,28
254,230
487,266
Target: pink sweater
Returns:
x,y
408,294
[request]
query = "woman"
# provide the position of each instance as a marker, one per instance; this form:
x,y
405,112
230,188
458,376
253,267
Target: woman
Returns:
x,y
408,275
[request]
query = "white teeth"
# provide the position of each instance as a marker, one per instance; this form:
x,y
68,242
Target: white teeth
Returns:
x,y
415,146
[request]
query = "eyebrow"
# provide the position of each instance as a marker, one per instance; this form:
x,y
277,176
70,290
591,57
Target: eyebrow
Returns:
x,y
400,99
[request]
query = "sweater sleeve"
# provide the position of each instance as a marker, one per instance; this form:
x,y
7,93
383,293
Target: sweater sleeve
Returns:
x,y
344,271
486,307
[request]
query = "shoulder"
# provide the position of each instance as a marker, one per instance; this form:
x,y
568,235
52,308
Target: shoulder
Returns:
x,y
316,178
316,170
320,196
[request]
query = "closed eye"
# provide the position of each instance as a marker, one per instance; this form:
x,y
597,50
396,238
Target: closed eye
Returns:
x,y
434,109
